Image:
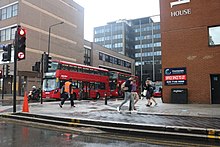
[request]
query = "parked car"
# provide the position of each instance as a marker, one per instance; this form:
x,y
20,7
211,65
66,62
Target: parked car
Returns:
x,y
158,92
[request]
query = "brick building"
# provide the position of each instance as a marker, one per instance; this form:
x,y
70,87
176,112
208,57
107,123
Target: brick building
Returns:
x,y
190,32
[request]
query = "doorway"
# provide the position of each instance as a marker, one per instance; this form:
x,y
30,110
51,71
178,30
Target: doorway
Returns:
x,y
215,88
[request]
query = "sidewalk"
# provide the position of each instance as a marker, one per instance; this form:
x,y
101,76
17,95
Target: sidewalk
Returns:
x,y
85,106
190,120
199,110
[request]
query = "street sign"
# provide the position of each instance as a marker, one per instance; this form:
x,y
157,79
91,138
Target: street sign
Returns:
x,y
21,55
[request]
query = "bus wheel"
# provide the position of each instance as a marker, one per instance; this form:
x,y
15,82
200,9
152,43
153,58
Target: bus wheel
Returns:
x,y
97,96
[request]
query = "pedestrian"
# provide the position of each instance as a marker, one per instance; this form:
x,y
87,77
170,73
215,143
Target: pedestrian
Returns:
x,y
128,95
149,94
67,93
134,93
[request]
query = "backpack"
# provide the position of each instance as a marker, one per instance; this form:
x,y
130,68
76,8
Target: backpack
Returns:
x,y
123,88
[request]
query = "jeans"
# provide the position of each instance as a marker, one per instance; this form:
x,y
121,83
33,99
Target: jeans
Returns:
x,y
128,96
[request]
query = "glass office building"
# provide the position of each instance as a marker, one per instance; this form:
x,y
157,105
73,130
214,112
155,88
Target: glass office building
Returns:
x,y
137,38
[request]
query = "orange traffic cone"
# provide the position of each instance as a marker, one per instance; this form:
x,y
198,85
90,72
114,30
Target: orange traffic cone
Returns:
x,y
25,103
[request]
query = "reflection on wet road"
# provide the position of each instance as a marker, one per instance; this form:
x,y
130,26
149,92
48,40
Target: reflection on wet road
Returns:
x,y
20,135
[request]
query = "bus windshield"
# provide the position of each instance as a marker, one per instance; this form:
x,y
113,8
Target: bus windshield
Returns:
x,y
50,84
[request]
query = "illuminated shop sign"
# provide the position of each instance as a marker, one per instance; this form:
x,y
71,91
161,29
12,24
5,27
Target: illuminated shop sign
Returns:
x,y
175,76
179,12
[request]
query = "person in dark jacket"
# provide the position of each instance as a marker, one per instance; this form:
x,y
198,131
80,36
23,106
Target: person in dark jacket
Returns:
x,y
128,95
150,93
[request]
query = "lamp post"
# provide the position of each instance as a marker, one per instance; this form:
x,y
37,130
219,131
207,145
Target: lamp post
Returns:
x,y
49,35
141,55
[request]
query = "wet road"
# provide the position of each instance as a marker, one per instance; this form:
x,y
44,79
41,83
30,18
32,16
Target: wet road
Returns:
x,y
16,135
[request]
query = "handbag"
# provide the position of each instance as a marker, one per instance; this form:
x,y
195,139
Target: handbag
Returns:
x,y
144,93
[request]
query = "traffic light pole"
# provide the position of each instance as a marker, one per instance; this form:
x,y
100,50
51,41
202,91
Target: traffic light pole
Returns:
x,y
3,81
42,76
15,75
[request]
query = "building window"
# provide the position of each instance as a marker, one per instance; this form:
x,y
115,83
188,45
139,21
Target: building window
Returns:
x,y
13,30
3,35
9,12
113,60
15,10
87,56
100,56
3,14
214,37
7,34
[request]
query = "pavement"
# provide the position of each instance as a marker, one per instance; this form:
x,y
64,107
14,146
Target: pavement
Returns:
x,y
203,119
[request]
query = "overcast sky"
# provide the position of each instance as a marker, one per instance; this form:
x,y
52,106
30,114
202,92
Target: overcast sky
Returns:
x,y
99,12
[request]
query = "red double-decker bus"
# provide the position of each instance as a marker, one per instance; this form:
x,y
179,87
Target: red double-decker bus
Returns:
x,y
87,81
115,81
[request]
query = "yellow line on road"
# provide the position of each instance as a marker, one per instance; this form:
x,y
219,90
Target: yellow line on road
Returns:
x,y
74,122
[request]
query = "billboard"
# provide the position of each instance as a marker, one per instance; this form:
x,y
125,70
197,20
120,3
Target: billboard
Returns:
x,y
175,76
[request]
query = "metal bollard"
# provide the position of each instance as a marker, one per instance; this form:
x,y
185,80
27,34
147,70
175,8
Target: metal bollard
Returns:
x,y
130,105
106,99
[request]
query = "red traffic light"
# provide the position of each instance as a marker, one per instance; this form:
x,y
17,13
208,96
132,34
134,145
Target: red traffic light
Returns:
x,y
21,32
1,74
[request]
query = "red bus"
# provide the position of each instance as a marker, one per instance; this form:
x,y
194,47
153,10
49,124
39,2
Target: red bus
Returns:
x,y
87,81
116,79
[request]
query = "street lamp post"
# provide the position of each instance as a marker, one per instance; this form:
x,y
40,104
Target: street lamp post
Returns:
x,y
141,55
49,35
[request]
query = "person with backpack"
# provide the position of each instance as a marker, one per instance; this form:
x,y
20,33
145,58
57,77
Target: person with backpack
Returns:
x,y
67,93
149,94
127,87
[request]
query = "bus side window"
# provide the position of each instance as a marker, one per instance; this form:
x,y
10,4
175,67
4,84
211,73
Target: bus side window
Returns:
x,y
80,69
95,72
92,86
74,83
102,86
71,68
96,86
80,86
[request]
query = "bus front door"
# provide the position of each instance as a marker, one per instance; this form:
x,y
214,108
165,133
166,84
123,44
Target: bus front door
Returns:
x,y
85,86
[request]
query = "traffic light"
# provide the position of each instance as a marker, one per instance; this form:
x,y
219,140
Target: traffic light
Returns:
x,y
36,67
6,55
7,70
1,74
47,62
20,43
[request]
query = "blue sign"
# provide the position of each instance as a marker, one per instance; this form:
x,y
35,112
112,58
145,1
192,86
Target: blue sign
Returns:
x,y
175,76
1,46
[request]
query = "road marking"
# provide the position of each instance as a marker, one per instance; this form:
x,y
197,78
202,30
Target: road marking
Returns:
x,y
74,122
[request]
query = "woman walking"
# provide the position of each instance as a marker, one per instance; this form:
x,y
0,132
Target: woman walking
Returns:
x,y
150,92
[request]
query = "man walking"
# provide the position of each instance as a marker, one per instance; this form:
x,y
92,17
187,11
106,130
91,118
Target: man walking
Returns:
x,y
67,93
128,95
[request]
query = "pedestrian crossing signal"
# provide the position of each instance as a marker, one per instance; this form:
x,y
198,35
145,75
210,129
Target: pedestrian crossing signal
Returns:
x,y
6,56
47,62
